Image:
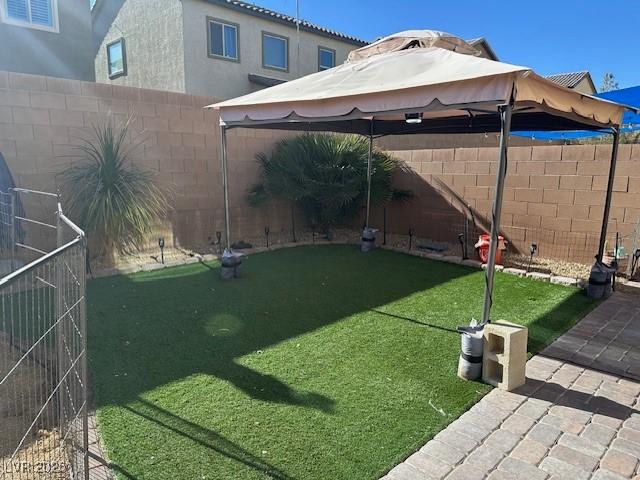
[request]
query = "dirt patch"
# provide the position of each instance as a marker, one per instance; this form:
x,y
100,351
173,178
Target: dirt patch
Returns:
x,y
21,398
43,459
547,265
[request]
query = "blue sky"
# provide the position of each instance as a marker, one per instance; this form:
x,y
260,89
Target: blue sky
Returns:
x,y
549,36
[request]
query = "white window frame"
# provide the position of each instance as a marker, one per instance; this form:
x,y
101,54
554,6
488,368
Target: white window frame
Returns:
x,y
223,23
326,49
55,28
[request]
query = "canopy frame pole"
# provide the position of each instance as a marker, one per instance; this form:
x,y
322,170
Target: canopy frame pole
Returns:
x,y
505,112
369,168
607,201
225,184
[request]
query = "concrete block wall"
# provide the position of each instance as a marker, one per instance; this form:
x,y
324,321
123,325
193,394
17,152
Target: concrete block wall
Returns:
x,y
42,119
554,195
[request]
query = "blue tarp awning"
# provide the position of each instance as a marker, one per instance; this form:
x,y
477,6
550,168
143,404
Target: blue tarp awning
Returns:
x,y
630,121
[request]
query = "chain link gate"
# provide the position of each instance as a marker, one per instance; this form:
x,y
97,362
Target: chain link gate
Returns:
x,y
43,362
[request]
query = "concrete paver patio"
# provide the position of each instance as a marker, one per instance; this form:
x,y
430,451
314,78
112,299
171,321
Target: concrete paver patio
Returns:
x,y
607,340
567,422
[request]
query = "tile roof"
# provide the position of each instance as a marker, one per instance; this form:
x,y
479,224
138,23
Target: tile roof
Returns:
x,y
257,10
569,80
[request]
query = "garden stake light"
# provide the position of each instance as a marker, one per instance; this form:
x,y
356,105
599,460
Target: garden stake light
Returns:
x,y
532,251
410,237
384,226
219,242
462,241
161,245
266,234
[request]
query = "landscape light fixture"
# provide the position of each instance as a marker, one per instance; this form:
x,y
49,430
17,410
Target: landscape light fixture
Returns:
x,y
161,245
413,118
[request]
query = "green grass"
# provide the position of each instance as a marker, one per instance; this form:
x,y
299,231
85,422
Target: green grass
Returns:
x,y
320,363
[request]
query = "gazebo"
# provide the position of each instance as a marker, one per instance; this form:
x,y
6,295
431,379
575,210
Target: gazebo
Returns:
x,y
421,82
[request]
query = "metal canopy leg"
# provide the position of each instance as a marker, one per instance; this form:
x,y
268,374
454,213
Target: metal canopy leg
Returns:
x,y
368,239
505,129
607,202
369,160
225,185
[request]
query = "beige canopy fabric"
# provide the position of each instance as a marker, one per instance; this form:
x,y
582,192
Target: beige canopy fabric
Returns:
x,y
456,92
413,39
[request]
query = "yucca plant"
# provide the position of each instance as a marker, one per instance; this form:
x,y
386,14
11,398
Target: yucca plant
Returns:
x,y
326,177
116,202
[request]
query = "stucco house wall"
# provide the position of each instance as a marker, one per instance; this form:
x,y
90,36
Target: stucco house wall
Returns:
x,y
64,53
227,79
169,50
154,47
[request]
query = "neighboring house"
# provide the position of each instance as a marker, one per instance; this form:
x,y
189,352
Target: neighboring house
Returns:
x,y
578,81
484,47
47,37
220,48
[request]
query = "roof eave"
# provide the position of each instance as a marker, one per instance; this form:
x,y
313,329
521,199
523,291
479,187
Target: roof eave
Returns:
x,y
284,21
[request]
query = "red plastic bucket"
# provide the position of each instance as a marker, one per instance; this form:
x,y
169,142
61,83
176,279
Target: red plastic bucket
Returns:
x,y
483,248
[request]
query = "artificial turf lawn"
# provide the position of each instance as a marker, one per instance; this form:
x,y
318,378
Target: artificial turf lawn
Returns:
x,y
320,363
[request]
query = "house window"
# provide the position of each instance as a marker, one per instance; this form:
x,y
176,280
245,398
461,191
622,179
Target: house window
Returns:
x,y
117,59
223,39
40,14
275,51
326,58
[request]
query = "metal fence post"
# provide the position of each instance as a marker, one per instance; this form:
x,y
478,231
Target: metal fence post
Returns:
x,y
12,230
59,310
82,275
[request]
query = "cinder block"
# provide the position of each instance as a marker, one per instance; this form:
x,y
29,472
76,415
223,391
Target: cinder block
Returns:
x,y
466,154
561,168
517,181
24,81
575,182
477,167
453,167
529,195
505,355
558,196
82,104
48,100
543,209
547,153
443,155
578,152
566,281
515,271
66,118
620,183
573,211
530,168
544,181
542,277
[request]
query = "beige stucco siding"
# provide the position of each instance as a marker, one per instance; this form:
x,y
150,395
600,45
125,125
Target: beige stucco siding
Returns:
x,y
227,79
152,30
584,86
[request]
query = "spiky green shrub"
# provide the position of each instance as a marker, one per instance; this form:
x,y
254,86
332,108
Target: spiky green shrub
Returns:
x,y
116,202
326,177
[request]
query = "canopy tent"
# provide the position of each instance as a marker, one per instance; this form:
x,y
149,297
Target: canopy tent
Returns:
x,y
420,82
630,120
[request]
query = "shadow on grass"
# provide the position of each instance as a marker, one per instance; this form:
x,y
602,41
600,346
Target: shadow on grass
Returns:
x,y
204,437
167,325
417,322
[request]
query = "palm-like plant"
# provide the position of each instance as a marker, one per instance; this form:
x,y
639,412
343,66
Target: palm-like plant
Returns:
x,y
325,176
116,203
